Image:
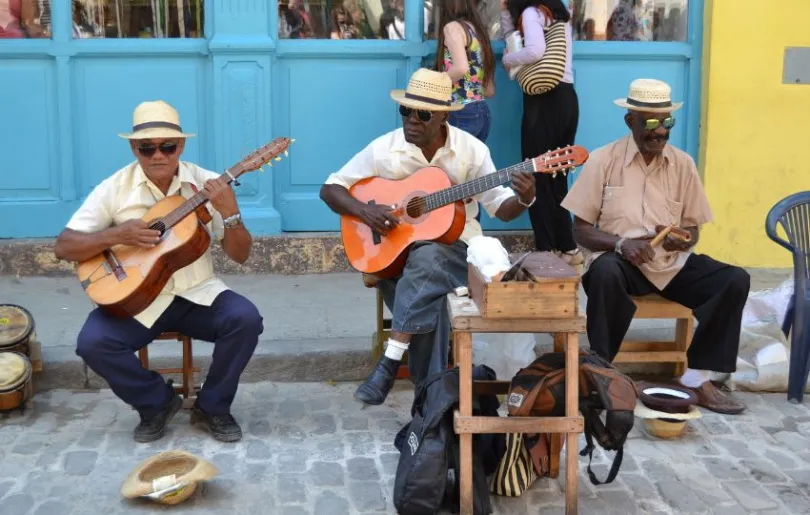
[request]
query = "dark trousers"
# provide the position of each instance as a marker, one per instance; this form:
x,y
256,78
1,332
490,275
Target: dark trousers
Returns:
x,y
108,345
714,291
550,121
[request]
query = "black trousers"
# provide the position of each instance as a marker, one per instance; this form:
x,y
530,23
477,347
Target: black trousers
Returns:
x,y
716,293
549,122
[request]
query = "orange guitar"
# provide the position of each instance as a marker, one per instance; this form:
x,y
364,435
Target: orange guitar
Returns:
x,y
429,208
124,280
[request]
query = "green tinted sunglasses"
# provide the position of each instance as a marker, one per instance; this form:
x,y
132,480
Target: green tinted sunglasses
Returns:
x,y
654,123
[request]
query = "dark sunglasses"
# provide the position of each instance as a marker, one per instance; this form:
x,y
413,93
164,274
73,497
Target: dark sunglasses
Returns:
x,y
424,116
654,123
166,148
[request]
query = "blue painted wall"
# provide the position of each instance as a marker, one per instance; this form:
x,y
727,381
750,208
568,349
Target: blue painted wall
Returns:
x,y
65,101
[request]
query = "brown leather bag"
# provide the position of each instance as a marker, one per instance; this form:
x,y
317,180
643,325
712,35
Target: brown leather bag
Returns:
x,y
539,391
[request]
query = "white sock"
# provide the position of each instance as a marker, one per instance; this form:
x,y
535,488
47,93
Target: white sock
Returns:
x,y
394,350
694,378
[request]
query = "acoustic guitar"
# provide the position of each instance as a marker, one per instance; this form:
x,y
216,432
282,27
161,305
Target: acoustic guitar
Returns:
x,y
124,280
429,208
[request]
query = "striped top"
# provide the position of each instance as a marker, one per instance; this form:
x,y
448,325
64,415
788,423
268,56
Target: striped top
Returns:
x,y
534,40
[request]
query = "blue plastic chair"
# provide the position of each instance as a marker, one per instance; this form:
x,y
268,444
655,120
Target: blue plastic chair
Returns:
x,y
793,214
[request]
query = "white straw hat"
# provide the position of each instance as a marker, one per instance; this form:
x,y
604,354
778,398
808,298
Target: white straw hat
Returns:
x,y
649,95
155,120
427,90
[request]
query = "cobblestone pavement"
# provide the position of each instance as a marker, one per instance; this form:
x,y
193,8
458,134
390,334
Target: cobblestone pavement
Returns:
x,y
310,449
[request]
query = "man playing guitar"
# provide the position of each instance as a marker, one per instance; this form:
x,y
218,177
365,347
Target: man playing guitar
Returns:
x,y
194,302
417,297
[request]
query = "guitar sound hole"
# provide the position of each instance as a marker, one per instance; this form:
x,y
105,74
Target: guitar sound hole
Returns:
x,y
158,226
416,207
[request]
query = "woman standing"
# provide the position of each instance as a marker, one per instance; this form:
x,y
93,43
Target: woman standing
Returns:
x,y
464,51
549,120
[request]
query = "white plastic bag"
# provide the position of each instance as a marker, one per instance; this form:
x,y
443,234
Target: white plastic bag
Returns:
x,y
505,353
763,361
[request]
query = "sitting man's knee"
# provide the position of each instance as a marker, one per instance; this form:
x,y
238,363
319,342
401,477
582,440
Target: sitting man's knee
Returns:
x,y
89,343
739,281
606,267
245,315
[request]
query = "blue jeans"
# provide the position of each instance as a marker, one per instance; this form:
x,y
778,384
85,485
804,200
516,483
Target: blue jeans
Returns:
x,y
107,345
475,118
418,302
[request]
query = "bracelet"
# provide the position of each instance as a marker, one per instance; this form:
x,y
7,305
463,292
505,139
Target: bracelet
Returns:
x,y
530,204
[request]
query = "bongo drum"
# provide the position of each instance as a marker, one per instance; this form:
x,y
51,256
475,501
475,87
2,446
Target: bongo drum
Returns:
x,y
16,329
15,380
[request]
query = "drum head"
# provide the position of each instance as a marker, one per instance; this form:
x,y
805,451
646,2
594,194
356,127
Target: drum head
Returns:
x,y
15,369
16,325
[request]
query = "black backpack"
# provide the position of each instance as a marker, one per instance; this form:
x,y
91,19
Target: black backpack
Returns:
x,y
427,472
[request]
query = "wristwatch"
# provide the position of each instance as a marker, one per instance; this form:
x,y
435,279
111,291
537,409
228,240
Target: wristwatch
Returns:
x,y
618,247
530,204
233,221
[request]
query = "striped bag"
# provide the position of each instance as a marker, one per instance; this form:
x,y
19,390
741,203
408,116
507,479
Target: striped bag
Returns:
x,y
515,472
544,75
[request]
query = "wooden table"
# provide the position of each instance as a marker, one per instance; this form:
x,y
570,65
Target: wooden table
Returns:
x,y
466,319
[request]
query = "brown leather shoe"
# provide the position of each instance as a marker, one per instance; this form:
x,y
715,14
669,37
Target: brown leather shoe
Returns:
x,y
714,399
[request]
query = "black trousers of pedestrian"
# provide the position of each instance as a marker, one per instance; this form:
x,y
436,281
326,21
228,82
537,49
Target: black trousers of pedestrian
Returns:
x,y
550,121
714,291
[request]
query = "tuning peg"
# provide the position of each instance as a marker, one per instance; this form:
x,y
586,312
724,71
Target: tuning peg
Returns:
x,y
292,140
554,174
286,154
278,158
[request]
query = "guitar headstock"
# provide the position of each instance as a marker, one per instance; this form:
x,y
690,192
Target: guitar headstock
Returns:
x,y
262,156
560,160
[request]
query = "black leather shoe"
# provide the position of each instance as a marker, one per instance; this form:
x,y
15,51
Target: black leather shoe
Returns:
x,y
222,427
377,385
154,427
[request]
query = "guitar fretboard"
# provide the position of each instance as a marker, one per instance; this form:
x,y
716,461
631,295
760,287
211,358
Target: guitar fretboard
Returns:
x,y
475,186
190,205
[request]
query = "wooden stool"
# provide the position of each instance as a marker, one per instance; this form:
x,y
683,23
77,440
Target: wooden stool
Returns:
x,y
189,388
655,306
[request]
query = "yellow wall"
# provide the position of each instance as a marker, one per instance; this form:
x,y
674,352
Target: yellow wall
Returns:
x,y
755,141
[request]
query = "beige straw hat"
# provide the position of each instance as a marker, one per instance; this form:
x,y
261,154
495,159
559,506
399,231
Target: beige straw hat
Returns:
x,y
427,90
155,120
649,95
170,477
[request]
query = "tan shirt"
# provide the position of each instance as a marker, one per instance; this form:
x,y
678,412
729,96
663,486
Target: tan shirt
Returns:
x,y
622,195
463,158
128,194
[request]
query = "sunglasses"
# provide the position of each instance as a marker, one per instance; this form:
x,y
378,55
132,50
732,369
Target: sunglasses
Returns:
x,y
167,148
424,116
654,123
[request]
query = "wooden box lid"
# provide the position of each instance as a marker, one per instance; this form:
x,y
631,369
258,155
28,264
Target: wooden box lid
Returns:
x,y
546,266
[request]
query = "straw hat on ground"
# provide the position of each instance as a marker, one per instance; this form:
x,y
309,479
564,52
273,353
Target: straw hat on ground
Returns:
x,y
649,95
170,477
155,120
427,90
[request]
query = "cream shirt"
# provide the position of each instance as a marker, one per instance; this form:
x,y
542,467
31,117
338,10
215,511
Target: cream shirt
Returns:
x,y
463,157
128,194
622,195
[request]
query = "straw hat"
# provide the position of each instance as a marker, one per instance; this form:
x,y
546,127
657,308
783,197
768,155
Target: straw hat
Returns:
x,y
649,95
170,477
427,90
155,120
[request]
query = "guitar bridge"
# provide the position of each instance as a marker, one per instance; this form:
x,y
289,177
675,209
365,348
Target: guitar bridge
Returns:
x,y
113,265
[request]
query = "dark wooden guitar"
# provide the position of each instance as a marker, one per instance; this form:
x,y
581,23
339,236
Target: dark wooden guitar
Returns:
x,y
429,208
125,280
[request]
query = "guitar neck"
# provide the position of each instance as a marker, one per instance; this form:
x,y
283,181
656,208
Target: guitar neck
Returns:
x,y
474,187
195,201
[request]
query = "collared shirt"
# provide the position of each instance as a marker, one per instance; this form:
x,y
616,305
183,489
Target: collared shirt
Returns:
x,y
463,158
128,194
622,195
